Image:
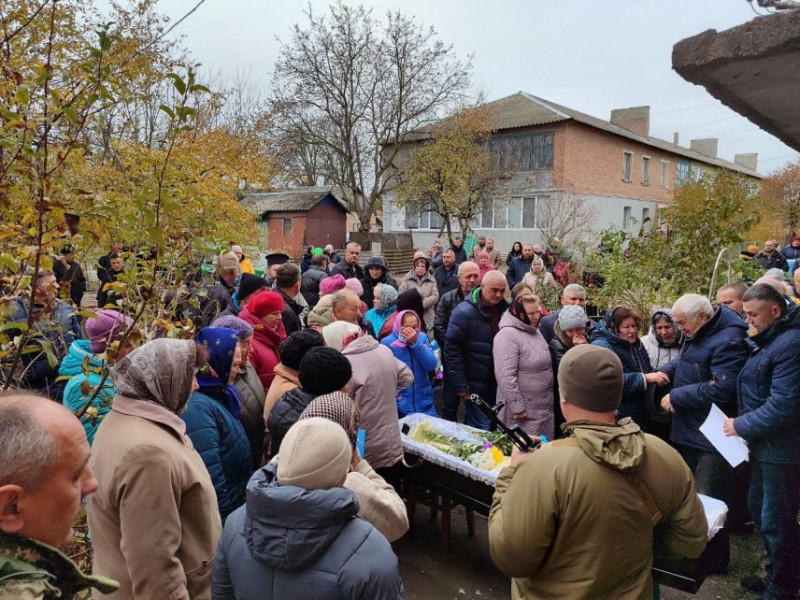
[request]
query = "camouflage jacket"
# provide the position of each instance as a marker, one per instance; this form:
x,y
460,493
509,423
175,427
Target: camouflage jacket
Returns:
x,y
31,570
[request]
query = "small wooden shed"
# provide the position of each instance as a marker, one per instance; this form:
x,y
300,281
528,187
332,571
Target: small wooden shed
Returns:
x,y
296,217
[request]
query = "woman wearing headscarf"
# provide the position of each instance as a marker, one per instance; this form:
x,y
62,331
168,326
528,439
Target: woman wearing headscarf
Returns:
x,y
264,314
251,392
212,419
619,332
384,305
411,346
149,518
543,284
523,369
87,363
421,279
378,502
407,300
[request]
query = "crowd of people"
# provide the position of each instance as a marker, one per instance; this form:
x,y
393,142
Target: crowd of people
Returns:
x,y
282,410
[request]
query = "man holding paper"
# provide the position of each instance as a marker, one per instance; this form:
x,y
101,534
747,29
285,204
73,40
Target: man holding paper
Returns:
x,y
769,404
703,375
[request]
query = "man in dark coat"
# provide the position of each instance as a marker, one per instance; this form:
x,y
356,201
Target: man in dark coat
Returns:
x,y
309,282
106,295
446,275
769,420
287,284
70,276
770,258
520,266
469,342
375,272
458,250
349,267
704,374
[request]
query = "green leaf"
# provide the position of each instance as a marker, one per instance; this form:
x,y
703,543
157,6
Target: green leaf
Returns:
x,y
178,82
167,110
23,94
199,88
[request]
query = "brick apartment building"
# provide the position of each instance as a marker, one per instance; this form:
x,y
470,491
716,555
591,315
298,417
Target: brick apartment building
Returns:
x,y
552,154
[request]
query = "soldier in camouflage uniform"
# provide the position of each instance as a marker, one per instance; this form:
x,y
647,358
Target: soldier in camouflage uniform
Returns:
x,y
44,477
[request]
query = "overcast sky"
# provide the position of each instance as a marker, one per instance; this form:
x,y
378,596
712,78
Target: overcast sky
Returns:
x,y
590,55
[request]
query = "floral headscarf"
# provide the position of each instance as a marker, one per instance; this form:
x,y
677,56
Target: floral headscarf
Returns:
x,y
160,372
518,310
220,343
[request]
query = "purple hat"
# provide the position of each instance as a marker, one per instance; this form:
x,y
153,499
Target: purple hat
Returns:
x,y
331,285
240,326
108,326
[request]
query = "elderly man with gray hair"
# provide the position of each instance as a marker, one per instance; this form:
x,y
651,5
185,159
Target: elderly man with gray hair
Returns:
x,y
573,294
702,375
44,476
349,267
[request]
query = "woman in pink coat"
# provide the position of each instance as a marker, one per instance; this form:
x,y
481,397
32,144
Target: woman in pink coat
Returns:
x,y
263,312
523,369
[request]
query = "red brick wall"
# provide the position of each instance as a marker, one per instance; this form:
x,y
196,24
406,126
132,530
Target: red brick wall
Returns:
x,y
292,244
326,225
591,161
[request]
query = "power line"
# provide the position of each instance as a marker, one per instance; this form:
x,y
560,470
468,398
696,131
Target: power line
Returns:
x,y
698,126
779,157
667,112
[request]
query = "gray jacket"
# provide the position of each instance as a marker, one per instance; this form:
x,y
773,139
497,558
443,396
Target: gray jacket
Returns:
x,y
286,542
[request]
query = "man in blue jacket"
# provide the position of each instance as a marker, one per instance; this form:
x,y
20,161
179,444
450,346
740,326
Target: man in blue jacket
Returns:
x,y
703,374
768,390
519,266
469,342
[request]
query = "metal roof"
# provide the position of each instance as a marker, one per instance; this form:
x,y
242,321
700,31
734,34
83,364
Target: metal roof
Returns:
x,y
289,200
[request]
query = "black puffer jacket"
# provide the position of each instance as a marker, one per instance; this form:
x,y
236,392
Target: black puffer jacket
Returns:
x,y
309,284
444,309
285,414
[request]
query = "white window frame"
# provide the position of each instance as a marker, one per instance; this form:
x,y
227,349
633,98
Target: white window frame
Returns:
x,y
627,165
519,201
664,174
627,212
646,170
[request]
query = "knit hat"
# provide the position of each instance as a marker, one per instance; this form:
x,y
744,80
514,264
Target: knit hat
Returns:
x,y
316,251
335,333
241,327
296,346
376,261
108,326
752,249
228,261
331,285
591,377
324,370
264,303
354,285
424,259
571,317
337,407
250,284
315,455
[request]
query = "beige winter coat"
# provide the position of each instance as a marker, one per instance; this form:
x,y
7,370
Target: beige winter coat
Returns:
x,y
285,379
153,520
378,502
377,377
428,291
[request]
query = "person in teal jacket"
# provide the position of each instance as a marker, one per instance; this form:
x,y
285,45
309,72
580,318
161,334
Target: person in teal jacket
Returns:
x,y
411,346
385,303
86,364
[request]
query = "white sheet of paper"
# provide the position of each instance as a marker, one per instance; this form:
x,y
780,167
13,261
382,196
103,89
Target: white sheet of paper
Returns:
x,y
732,448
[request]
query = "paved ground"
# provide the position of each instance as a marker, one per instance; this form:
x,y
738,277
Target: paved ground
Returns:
x,y
467,572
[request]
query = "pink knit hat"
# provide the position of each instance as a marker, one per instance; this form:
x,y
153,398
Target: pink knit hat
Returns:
x,y
331,285
108,326
354,285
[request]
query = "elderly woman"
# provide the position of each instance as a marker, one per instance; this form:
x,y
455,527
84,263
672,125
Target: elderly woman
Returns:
x,y
378,502
212,419
570,329
411,345
384,305
251,392
542,282
111,338
483,265
149,518
663,341
264,314
421,279
523,369
619,332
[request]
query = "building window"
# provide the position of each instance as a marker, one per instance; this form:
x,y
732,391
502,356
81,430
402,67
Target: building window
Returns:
x,y
428,219
513,213
664,173
626,217
646,170
627,165
523,152
682,172
646,218
287,227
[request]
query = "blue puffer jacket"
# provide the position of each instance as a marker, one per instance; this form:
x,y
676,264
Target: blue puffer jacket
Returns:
x,y
468,348
74,399
287,542
222,443
517,269
418,397
635,361
769,393
705,373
